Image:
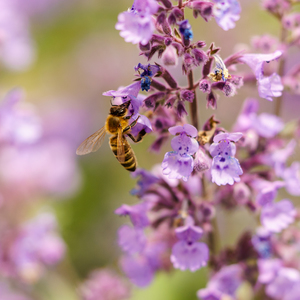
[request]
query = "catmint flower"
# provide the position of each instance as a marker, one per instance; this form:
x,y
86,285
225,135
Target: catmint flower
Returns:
x,y
148,72
187,95
291,176
136,25
104,284
202,162
19,122
137,214
270,86
187,253
267,191
277,216
284,282
226,13
225,168
145,181
130,239
268,269
179,163
200,57
185,29
143,123
224,283
267,125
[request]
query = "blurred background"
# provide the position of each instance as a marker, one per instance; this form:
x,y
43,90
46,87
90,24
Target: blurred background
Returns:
x,y
71,55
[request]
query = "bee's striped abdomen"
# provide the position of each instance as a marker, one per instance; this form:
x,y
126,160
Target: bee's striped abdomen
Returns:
x,y
130,160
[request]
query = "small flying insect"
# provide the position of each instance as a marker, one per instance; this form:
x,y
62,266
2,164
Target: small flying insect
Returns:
x,y
117,124
220,71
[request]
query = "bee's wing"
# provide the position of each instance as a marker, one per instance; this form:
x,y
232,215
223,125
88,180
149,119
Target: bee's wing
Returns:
x,y
120,146
219,62
92,143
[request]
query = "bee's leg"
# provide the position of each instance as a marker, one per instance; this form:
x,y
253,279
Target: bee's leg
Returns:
x,y
139,136
127,128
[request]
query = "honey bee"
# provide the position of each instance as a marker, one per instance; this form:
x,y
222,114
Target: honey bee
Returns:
x,y
117,124
220,71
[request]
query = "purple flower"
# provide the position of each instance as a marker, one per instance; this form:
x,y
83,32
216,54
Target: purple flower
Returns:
x,y
280,287
131,240
267,125
202,8
291,176
187,95
19,122
277,216
143,123
145,181
256,61
223,283
138,270
179,163
269,87
226,13
268,269
104,284
187,253
127,93
137,214
267,191
136,25
37,245
225,168
169,57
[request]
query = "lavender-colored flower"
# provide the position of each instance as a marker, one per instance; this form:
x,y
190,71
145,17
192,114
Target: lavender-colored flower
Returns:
x,y
138,270
280,287
37,245
127,93
187,95
187,253
291,176
223,283
226,13
256,61
143,123
268,269
277,216
266,190
269,87
136,25
137,214
267,125
131,240
145,181
225,168
104,284
205,86
19,122
179,163
202,8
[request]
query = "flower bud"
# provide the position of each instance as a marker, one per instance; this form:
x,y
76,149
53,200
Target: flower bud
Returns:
x,y
181,111
200,56
200,44
150,101
187,95
145,47
166,3
241,193
161,18
201,162
211,100
170,102
169,57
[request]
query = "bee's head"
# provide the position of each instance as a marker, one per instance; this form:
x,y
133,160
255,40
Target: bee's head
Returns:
x,y
120,110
